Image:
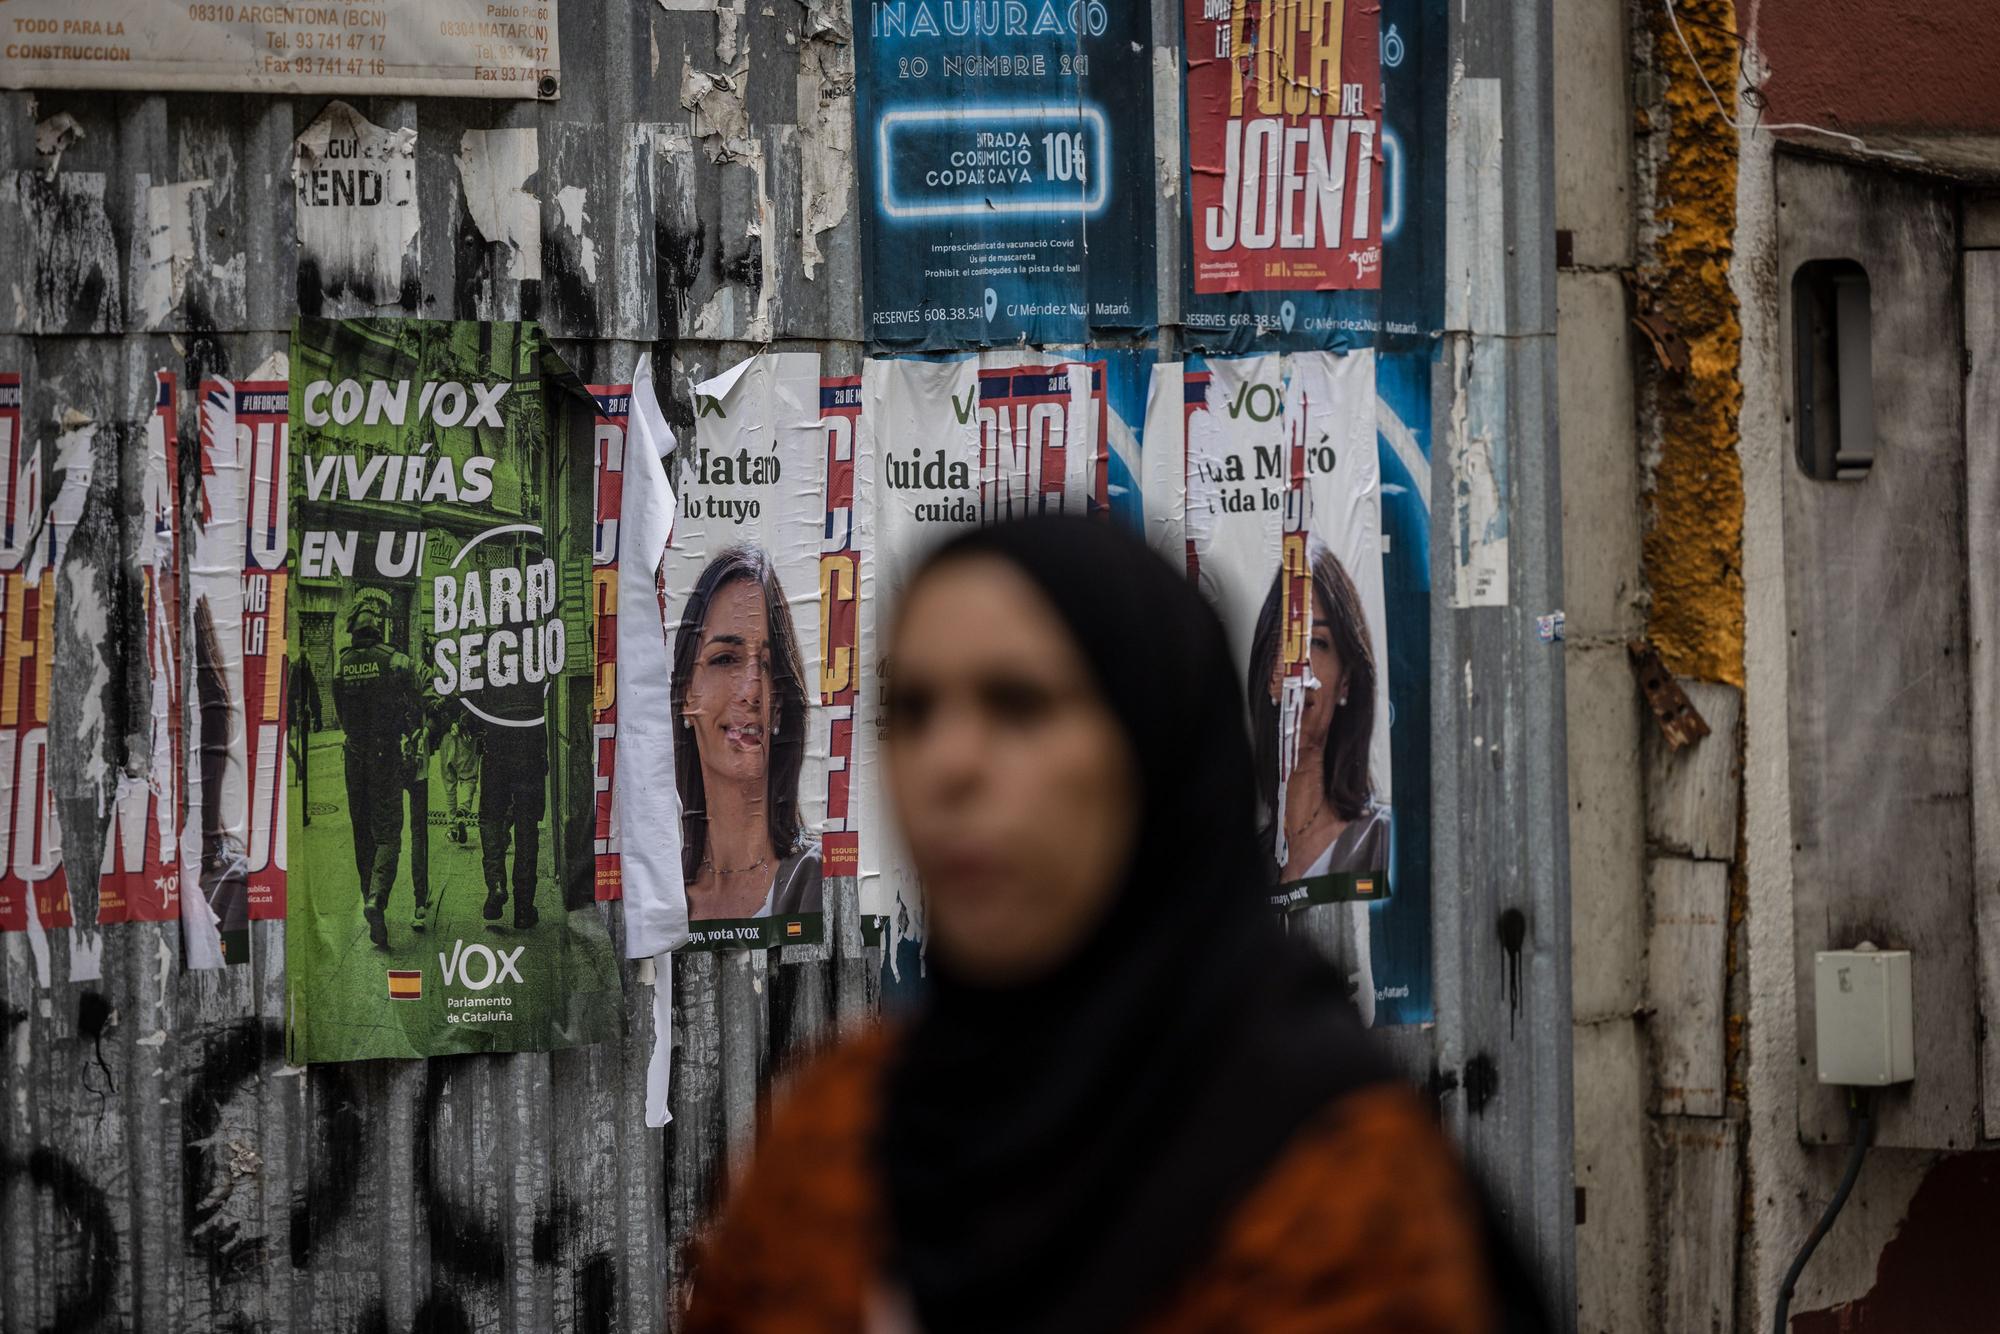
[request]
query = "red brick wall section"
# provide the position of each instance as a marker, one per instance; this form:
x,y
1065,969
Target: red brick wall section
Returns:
x,y
1886,66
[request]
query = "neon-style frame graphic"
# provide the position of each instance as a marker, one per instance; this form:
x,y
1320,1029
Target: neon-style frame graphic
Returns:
x,y
1066,117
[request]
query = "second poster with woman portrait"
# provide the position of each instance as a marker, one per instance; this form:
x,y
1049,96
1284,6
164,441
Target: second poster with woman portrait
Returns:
x,y
1283,531
743,618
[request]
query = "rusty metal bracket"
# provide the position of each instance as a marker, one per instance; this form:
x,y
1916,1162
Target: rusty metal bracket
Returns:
x,y
1669,345
1679,720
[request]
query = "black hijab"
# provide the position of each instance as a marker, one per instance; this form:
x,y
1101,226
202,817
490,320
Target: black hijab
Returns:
x,y
1059,1154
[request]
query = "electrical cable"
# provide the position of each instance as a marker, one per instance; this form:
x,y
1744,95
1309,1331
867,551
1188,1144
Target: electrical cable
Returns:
x,y
1861,1116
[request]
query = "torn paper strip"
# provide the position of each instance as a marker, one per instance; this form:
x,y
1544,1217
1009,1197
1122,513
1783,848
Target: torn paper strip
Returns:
x,y
496,169
643,793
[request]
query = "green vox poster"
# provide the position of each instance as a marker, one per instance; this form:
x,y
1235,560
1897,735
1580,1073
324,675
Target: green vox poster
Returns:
x,y
442,877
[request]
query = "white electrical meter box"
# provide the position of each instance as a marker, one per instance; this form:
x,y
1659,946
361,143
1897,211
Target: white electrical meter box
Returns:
x,y
1862,1010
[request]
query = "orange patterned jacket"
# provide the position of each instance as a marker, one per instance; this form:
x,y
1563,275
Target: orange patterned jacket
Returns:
x,y
1366,1223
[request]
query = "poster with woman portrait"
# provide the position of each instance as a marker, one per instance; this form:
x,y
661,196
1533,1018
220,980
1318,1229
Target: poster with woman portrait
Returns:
x,y
1278,486
742,577
950,444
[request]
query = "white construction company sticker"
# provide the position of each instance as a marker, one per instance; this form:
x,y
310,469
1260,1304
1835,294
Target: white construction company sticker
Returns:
x,y
456,48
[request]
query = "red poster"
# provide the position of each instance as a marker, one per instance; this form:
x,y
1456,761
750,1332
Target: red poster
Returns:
x,y
1044,442
263,448
1194,398
139,878
839,622
614,405
1284,119
30,848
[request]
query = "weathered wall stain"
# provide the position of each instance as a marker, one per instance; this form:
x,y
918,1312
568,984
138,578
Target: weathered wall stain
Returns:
x,y
1937,1276
1513,933
1482,1083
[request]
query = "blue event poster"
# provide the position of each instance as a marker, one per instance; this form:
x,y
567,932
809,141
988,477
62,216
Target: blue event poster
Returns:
x,y
1006,164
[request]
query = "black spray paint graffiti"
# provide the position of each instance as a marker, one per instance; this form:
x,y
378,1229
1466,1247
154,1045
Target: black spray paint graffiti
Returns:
x,y
223,1123
1482,1083
82,1255
467,1242
1513,935
100,626
467,1249
220,1159
93,1016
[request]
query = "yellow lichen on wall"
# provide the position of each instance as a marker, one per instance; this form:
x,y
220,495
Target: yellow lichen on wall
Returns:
x,y
1693,552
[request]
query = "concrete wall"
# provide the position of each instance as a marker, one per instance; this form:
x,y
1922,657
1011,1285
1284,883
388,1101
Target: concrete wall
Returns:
x,y
1604,605
1676,445
1788,1182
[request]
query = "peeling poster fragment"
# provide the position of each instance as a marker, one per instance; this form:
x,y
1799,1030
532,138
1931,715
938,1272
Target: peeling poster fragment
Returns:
x,y
71,282
170,249
139,880
355,194
826,143
34,889
495,168
1479,482
30,862
54,136
572,204
215,921
614,408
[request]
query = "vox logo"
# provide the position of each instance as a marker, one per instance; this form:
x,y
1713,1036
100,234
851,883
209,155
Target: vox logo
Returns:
x,y
492,965
1260,401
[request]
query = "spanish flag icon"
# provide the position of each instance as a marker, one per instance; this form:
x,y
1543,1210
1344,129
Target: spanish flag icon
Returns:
x,y
795,929
406,985
1364,887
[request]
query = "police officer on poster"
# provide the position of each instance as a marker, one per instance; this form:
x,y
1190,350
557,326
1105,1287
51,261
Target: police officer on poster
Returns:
x,y
513,789
376,698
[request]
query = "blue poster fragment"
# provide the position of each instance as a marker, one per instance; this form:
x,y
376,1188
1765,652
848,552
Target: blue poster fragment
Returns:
x,y
1006,163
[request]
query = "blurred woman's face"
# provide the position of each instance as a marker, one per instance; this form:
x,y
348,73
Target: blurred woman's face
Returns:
x,y
1327,669
1011,778
729,692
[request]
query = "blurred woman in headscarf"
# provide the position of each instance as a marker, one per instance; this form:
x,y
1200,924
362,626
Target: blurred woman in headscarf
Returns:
x,y
1127,1100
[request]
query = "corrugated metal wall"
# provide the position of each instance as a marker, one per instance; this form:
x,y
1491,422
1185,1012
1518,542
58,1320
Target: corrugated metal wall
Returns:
x,y
161,1168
